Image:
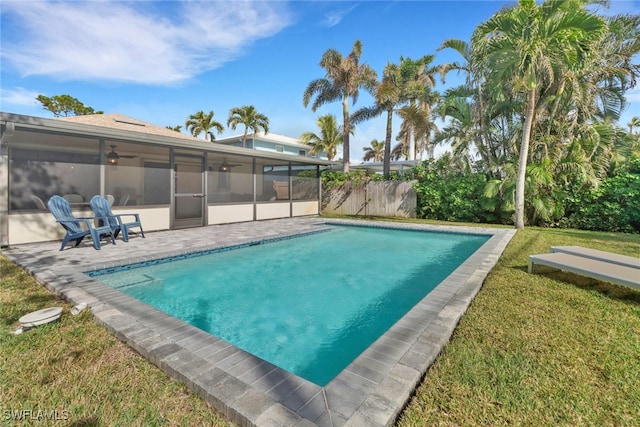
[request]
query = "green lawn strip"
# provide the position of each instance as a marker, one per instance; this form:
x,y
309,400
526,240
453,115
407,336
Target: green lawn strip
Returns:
x,y
544,349
77,366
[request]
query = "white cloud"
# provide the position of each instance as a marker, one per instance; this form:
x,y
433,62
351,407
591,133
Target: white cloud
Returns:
x,y
333,18
141,42
18,97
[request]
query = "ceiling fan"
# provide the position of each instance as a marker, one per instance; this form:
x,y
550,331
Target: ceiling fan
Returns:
x,y
113,157
225,166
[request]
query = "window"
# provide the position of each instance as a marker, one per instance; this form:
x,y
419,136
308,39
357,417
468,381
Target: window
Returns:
x,y
45,165
157,177
302,153
141,175
224,183
304,182
272,180
229,179
279,148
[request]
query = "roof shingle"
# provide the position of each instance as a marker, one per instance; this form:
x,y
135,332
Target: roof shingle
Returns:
x,y
121,122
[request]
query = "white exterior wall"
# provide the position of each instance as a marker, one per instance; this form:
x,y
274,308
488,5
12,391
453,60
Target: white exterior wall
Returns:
x,y
152,219
34,227
42,227
224,214
272,210
306,208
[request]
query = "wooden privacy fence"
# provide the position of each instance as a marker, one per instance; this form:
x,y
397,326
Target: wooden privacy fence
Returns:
x,y
374,198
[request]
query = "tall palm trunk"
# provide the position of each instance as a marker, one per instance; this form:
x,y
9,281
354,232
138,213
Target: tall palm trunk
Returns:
x,y
386,165
244,138
345,135
524,155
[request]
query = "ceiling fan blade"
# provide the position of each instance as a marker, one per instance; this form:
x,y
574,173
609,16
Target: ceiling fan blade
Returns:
x,y
114,155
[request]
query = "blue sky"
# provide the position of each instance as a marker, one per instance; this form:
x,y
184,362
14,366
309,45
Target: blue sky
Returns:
x,y
160,61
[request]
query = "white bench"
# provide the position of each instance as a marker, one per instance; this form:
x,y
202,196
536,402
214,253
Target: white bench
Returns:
x,y
596,269
627,261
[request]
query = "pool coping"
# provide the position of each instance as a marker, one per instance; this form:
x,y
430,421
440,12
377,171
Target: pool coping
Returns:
x,y
372,390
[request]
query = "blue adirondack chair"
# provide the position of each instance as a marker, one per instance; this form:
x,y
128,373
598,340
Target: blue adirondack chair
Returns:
x,y
61,210
102,209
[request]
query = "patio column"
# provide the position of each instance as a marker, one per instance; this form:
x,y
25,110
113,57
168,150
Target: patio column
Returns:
x,y
6,133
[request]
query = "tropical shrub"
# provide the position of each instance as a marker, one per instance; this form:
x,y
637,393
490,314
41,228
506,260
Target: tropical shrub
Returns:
x,y
334,178
612,206
447,194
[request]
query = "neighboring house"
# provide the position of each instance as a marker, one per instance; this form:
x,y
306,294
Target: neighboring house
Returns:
x,y
272,142
171,179
400,166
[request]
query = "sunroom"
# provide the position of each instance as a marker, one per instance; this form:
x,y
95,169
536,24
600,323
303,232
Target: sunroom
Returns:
x,y
172,180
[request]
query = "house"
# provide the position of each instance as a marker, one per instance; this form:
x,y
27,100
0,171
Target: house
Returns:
x,y
171,179
399,166
272,142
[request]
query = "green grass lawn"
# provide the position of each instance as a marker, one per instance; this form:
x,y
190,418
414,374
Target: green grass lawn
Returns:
x,y
545,349
540,350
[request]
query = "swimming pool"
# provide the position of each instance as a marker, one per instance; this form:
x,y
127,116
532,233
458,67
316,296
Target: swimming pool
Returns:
x,y
372,390
310,304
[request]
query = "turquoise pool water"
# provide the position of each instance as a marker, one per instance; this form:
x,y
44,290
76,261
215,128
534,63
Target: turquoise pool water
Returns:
x,y
310,304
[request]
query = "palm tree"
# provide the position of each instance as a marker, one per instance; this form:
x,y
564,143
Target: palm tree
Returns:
x,y
459,130
528,47
329,139
634,123
417,125
593,98
465,105
250,118
375,151
401,83
345,76
611,71
177,128
398,151
201,122
412,120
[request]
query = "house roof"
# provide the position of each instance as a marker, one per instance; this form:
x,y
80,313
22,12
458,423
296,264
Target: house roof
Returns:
x,y
269,137
121,122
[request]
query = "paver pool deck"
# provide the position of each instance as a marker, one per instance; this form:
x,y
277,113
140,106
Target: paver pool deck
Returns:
x,y
371,391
